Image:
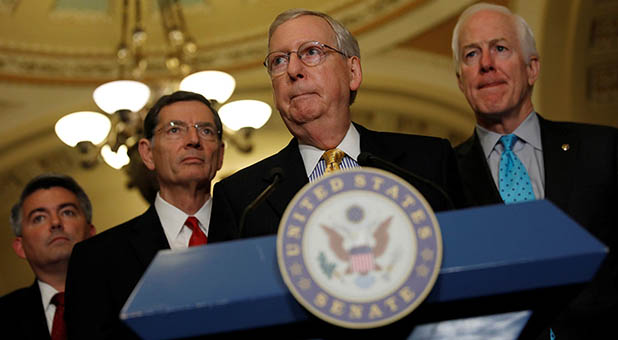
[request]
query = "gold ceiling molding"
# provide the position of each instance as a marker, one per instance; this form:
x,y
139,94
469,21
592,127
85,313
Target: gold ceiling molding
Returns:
x,y
356,13
8,6
67,70
42,62
380,6
81,15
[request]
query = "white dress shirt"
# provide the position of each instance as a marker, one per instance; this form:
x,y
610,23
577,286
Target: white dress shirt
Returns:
x,y
528,149
173,222
47,293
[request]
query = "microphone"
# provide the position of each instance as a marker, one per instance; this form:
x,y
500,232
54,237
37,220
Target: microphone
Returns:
x,y
368,159
274,176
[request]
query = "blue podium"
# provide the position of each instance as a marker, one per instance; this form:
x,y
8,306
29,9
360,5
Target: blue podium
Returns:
x,y
496,259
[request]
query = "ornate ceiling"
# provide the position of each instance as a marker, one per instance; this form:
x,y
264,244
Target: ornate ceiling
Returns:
x,y
53,53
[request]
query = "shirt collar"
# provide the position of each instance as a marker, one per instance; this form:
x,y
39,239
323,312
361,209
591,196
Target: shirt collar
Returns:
x,y
47,293
312,155
529,131
173,219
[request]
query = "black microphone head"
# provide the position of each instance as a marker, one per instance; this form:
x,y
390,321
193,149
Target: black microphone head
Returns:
x,y
364,158
275,172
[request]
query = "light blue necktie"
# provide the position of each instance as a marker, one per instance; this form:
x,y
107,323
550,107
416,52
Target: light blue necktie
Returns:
x,y
514,180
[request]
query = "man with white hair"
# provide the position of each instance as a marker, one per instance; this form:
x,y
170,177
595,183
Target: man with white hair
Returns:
x,y
515,155
315,70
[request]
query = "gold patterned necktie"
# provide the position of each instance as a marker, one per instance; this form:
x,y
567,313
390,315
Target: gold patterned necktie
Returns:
x,y
333,159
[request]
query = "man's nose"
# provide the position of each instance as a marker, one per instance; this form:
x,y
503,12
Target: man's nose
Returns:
x,y
296,68
487,62
193,138
56,222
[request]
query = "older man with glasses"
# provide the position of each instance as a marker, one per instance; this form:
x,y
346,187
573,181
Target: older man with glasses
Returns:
x,y
315,69
183,146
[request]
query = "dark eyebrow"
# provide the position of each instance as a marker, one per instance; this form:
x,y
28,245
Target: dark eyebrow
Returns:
x,y
180,122
206,124
68,204
34,211
60,207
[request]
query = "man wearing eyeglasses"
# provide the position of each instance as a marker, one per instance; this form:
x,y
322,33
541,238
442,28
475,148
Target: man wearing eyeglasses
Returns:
x,y
315,69
183,146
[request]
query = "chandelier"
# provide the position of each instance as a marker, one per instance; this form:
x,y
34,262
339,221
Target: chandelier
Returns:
x,y
112,135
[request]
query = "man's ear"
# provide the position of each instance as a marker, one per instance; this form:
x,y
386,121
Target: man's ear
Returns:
x,y
221,153
91,230
533,68
145,151
356,73
18,247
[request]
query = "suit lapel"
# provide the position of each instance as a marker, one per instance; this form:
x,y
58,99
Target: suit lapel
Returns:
x,y
476,176
294,177
370,142
557,161
148,236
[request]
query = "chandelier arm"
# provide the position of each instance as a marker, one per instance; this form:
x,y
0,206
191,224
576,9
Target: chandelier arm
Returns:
x,y
182,24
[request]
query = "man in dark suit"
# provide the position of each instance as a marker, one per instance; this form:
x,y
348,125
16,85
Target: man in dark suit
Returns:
x,y
573,165
315,69
183,146
52,215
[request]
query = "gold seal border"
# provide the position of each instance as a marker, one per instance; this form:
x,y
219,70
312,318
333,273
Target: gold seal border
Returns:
x,y
382,322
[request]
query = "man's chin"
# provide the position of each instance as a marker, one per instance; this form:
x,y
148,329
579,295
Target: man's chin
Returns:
x,y
195,176
60,253
492,109
303,115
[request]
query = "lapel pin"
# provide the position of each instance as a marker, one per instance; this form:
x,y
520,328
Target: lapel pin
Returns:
x,y
566,147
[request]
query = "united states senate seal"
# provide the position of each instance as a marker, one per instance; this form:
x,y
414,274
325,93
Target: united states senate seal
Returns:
x,y
359,248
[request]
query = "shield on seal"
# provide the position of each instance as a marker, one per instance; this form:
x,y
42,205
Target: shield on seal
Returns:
x,y
361,259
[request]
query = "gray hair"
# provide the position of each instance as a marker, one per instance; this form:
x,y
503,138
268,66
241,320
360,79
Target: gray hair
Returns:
x,y
47,181
524,32
346,42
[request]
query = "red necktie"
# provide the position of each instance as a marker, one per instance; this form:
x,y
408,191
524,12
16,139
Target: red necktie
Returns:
x,y
59,330
197,236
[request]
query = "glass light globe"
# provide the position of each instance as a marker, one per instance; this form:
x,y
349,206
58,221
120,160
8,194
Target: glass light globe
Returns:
x,y
245,113
115,159
215,85
121,95
83,126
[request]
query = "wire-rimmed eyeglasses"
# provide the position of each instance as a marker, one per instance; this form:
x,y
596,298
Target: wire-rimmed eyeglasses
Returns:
x,y
311,53
177,129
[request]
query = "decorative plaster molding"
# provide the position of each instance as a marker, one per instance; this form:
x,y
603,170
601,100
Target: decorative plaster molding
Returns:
x,y
44,62
603,84
8,6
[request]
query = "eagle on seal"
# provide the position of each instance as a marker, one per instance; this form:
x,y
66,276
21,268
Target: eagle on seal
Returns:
x,y
362,254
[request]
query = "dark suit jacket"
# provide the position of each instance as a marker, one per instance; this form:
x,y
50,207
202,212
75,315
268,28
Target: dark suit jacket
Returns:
x,y
429,157
23,316
583,182
103,271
